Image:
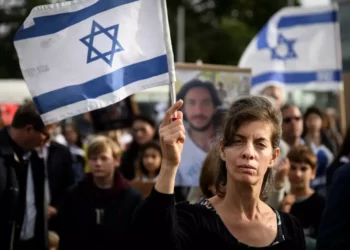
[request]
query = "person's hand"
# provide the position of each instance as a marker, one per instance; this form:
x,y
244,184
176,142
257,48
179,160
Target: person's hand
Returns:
x,y
282,170
287,203
51,212
172,136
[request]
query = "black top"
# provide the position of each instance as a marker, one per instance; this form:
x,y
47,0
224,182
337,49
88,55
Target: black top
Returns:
x,y
309,212
334,229
186,226
98,219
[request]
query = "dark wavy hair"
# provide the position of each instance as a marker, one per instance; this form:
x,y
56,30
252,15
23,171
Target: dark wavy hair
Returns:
x,y
200,84
248,109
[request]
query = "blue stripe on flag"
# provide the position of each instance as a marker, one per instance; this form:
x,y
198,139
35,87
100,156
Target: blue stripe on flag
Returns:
x,y
262,38
101,85
47,25
297,20
298,77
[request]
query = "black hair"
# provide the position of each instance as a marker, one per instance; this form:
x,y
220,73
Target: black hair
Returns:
x,y
27,114
146,119
200,84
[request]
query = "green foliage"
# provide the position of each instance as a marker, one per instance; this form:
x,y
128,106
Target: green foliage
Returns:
x,y
217,31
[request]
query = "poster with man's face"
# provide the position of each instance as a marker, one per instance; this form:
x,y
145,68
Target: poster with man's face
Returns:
x,y
229,82
207,91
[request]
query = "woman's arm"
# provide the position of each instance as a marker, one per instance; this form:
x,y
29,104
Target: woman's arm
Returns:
x,y
157,222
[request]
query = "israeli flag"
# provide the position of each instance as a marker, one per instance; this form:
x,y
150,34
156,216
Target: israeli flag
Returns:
x,y
298,47
83,55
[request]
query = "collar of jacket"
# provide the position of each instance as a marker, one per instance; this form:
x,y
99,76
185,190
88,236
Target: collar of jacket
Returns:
x,y
119,183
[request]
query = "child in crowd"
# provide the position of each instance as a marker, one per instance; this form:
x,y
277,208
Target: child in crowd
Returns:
x,y
96,214
150,160
303,202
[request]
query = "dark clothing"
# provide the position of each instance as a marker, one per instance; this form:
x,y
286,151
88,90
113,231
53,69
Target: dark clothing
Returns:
x,y
333,168
60,172
60,175
13,185
186,226
128,161
335,225
98,219
181,193
309,213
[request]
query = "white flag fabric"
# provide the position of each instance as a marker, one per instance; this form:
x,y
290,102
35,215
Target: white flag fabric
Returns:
x,y
83,55
297,47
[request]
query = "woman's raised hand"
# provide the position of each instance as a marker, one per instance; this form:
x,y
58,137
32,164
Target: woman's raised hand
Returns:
x,y
172,136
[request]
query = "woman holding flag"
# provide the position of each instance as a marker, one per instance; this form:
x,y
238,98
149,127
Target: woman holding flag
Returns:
x,y
237,217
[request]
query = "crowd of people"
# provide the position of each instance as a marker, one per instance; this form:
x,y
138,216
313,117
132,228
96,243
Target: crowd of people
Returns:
x,y
258,174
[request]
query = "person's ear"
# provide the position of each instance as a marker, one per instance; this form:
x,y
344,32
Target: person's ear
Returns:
x,y
222,151
275,155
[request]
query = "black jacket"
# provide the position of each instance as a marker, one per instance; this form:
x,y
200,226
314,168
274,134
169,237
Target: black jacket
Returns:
x,y
95,219
60,172
61,176
335,224
12,196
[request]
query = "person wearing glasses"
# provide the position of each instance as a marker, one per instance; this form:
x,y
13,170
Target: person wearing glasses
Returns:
x,y
292,127
23,210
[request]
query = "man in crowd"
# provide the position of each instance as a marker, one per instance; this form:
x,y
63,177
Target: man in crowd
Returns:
x,y
200,105
274,92
23,211
292,128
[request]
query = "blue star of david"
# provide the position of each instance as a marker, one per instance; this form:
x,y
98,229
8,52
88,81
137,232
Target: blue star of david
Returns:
x,y
93,54
289,45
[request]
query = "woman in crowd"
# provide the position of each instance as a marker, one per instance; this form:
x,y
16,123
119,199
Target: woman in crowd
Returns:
x,y
144,130
75,144
237,217
96,215
331,128
303,202
149,163
320,144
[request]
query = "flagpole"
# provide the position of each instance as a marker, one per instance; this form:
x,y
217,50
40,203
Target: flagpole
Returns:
x,y
170,54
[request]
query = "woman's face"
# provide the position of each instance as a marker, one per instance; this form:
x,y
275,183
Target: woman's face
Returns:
x,y
70,135
151,159
313,122
300,175
251,153
143,132
103,165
